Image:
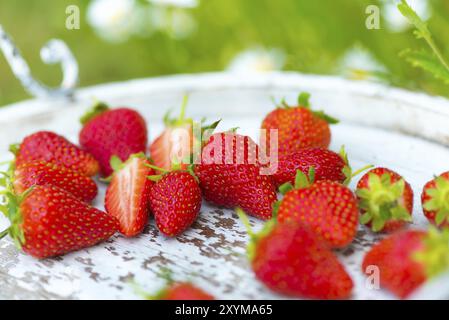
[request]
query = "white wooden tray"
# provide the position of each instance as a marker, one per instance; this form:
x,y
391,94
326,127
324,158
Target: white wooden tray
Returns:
x,y
405,131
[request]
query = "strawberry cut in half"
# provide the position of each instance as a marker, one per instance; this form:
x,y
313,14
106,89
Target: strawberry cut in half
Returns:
x,y
435,200
50,147
175,145
406,260
128,194
291,260
108,132
43,173
328,208
47,221
385,200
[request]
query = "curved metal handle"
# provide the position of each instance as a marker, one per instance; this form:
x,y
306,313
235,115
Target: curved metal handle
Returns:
x,y
55,51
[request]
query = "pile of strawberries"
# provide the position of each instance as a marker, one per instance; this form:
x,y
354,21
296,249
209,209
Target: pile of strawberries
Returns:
x,y
49,185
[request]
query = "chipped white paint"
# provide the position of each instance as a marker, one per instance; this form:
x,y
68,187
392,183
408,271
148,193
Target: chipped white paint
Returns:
x,y
380,125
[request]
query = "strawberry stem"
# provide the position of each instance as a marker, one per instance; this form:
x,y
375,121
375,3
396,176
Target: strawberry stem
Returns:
x,y
254,237
156,168
244,218
4,233
347,169
182,114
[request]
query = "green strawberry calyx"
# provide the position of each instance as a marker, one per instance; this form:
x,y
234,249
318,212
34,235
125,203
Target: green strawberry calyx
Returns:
x,y
304,102
255,237
434,254
382,201
347,169
164,273
10,208
302,181
176,166
439,200
97,109
117,164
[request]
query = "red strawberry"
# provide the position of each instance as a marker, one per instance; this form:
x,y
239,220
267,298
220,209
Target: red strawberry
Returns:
x,y
435,200
128,195
408,259
298,127
327,207
230,175
47,221
290,259
120,132
385,200
175,201
50,147
328,165
43,173
182,291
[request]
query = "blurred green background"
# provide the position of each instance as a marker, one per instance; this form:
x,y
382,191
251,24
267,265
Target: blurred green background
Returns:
x,y
169,37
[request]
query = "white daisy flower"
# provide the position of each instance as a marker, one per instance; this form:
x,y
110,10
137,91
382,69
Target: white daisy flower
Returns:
x,y
396,21
177,23
114,20
258,60
359,63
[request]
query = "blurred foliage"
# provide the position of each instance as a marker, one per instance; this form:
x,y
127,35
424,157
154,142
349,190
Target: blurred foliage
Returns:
x,y
313,34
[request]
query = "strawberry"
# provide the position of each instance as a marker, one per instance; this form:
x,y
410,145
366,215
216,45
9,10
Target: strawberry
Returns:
x,y
230,175
182,291
385,200
175,201
328,208
47,221
128,194
435,200
43,173
49,147
174,290
105,133
407,259
328,165
176,143
290,259
298,127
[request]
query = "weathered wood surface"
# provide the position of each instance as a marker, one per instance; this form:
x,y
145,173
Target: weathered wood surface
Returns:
x,y
381,126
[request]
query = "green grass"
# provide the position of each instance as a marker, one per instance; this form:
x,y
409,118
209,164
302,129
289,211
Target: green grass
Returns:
x,y
314,34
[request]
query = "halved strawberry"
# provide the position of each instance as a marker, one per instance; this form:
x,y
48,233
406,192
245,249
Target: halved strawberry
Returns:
x,y
177,142
128,195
